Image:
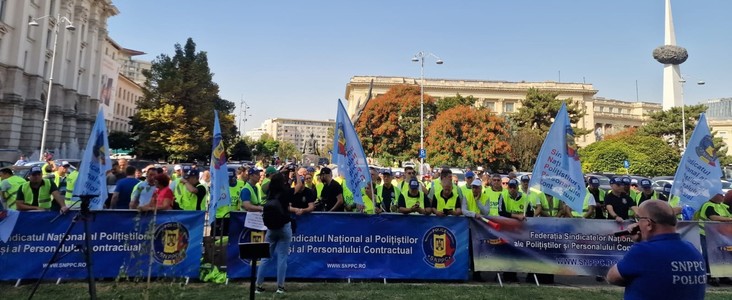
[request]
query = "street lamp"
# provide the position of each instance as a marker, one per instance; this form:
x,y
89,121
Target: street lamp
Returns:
x,y
243,112
419,57
69,27
683,113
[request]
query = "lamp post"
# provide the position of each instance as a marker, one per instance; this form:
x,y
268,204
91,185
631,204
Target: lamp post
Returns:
x,y
243,106
69,27
419,57
683,110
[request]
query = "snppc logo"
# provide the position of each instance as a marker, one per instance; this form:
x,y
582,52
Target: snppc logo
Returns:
x,y
171,243
439,246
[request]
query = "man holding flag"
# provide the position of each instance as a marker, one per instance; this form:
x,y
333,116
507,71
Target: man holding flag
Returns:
x,y
95,163
349,156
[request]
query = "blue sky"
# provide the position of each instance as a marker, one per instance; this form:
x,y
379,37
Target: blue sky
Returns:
x,y
294,58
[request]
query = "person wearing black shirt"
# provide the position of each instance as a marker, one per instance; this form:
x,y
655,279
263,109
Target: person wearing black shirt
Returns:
x,y
194,186
304,200
332,193
617,202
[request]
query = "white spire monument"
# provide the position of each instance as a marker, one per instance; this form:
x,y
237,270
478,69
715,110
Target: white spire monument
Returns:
x,y
671,56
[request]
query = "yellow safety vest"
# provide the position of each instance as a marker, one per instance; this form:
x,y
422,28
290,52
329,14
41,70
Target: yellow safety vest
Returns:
x,y
44,194
255,198
515,206
234,192
11,194
70,185
721,209
443,203
189,200
494,200
585,207
551,210
368,204
409,201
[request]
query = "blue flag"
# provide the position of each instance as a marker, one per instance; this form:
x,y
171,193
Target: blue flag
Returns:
x,y
8,218
95,163
349,156
698,176
220,196
558,171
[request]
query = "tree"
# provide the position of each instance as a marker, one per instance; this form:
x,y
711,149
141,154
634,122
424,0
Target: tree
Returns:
x,y
266,146
647,155
667,124
240,151
450,102
121,140
525,146
286,149
390,123
539,108
467,136
176,113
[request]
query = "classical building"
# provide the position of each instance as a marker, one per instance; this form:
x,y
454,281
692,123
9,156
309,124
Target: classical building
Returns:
x,y
604,116
25,64
119,92
307,135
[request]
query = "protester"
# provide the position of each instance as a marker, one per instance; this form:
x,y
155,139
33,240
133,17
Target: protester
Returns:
x,y
412,201
223,213
387,194
662,266
144,192
332,193
279,239
447,202
304,200
38,193
476,202
9,186
193,194
646,192
251,199
593,188
494,191
122,195
122,166
163,197
618,203
713,210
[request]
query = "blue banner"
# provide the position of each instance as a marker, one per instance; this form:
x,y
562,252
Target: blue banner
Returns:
x,y
698,175
95,163
8,218
220,195
558,171
344,245
120,245
349,156
564,246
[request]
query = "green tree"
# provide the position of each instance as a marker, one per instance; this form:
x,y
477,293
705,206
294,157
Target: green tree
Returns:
x,y
468,136
647,155
450,102
240,151
121,140
176,113
539,108
667,124
266,146
286,149
525,146
389,126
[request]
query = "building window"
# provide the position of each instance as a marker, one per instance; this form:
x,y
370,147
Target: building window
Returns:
x,y
508,107
490,105
722,133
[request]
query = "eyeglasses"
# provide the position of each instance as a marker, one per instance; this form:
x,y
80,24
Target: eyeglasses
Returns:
x,y
495,180
410,173
637,219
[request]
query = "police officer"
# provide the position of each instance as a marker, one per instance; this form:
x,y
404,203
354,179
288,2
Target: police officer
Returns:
x,y
194,193
495,194
38,193
251,199
61,178
475,202
412,201
9,186
447,201
618,203
593,188
387,193
223,214
514,205
647,192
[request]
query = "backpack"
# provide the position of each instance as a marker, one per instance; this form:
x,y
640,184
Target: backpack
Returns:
x,y
273,215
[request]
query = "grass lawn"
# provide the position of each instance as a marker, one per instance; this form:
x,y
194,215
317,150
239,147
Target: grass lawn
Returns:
x,y
239,290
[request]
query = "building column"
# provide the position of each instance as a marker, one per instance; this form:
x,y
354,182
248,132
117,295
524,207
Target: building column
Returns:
x,y
69,114
83,120
55,118
11,116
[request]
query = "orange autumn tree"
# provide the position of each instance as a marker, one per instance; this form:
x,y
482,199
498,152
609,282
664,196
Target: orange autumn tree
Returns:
x,y
467,136
389,124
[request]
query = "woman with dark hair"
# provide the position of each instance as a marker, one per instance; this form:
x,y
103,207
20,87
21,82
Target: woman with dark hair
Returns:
x,y
163,196
278,238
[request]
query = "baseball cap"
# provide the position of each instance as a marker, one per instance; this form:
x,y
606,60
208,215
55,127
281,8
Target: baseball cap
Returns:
x,y
634,181
186,169
413,184
477,183
594,181
192,173
177,167
645,183
616,180
513,183
270,170
310,170
36,170
667,188
525,178
64,164
231,173
325,171
469,174
253,171
386,172
398,174
625,180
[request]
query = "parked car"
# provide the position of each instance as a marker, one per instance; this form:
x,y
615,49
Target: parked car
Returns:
x,y
74,163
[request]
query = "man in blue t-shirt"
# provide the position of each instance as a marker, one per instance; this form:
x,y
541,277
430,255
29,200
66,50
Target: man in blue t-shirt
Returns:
x,y
663,266
123,190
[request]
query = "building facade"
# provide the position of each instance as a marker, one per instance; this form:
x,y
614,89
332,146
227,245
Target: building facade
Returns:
x,y
307,135
719,109
119,92
603,116
25,64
